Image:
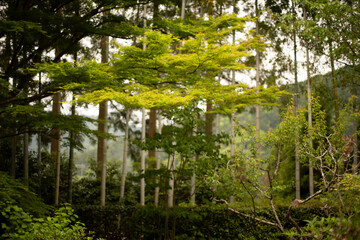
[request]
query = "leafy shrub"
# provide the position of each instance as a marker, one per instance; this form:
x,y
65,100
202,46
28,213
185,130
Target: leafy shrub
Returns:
x,y
13,190
150,222
62,225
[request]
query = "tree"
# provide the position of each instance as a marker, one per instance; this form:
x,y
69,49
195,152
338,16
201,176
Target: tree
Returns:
x,y
102,128
311,171
328,155
29,31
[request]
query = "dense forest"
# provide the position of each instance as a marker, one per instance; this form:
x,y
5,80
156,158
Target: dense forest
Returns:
x,y
215,119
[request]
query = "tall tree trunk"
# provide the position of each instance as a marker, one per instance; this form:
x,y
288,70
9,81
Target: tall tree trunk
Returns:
x,y
193,178
102,127
311,170
333,76
257,107
208,119
71,155
355,140
13,156
182,15
152,130
26,156
232,117
124,165
143,132
297,162
39,147
157,188
55,138
55,147
39,133
72,133
142,163
7,58
152,115
125,153
171,181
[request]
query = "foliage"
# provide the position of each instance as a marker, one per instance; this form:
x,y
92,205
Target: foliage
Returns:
x,y
201,222
16,192
155,78
330,227
62,225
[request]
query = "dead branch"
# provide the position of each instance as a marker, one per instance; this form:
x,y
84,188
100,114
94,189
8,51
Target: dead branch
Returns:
x,y
247,215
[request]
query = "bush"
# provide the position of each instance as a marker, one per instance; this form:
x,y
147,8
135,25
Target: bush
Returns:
x,y
14,191
62,225
150,222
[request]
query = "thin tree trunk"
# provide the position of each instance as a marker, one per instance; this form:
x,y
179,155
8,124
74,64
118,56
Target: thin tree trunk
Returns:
x,y
58,165
355,140
71,156
232,117
39,143
157,188
7,57
142,163
26,157
297,162
152,130
208,119
171,182
13,157
39,147
333,76
193,187
311,170
124,165
152,115
39,133
103,112
183,3
143,132
102,127
55,139
193,181
257,107
55,147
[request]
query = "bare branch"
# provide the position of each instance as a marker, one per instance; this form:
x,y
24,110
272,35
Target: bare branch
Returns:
x,y
246,215
252,197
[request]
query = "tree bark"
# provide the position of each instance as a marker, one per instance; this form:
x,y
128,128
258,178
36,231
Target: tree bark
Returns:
x,y
26,157
142,163
39,133
102,150
55,147
311,170
208,119
333,76
124,165
102,127
171,181
157,188
193,180
355,140
257,107
71,156
13,157
143,133
233,116
297,162
152,130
